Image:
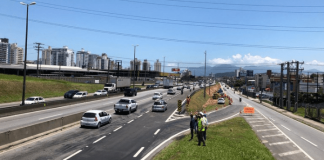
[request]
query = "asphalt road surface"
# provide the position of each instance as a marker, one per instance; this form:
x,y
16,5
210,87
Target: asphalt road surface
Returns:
x,y
306,138
128,136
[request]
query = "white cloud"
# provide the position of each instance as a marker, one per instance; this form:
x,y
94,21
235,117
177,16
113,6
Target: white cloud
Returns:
x,y
246,59
315,62
171,65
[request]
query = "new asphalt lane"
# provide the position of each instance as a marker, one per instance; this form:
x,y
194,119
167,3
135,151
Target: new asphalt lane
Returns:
x,y
127,137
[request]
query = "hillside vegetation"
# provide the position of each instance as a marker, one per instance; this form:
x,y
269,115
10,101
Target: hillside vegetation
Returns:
x,y
11,87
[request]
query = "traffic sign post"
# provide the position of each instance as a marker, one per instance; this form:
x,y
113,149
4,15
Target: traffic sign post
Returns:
x,y
179,106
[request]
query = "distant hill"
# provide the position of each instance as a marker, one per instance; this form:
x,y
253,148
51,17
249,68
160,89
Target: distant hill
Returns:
x,y
227,74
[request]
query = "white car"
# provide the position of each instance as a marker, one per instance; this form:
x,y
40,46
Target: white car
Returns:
x,y
100,92
157,95
95,118
125,105
34,100
171,91
179,88
81,94
221,101
160,105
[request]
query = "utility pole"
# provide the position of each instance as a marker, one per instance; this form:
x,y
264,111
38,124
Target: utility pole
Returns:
x,y
288,86
38,47
281,85
163,66
205,76
317,89
134,66
307,86
108,69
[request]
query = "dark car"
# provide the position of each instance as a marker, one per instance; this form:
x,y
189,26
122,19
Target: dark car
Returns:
x,y
130,92
148,86
138,89
70,93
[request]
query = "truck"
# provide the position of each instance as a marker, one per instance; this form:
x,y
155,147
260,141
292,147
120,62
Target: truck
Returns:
x,y
168,83
117,84
125,105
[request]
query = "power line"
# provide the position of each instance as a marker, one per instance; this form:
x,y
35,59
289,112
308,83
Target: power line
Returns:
x,y
224,9
243,4
83,10
171,39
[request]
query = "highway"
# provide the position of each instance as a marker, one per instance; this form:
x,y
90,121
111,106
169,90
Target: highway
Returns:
x,y
309,140
26,119
127,137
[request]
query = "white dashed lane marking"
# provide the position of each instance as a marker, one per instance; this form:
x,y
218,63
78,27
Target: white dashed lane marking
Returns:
x,y
72,155
117,128
309,141
138,152
130,121
99,139
157,132
285,127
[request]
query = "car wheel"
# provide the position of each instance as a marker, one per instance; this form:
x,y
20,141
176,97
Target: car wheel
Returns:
x,y
125,95
99,125
136,94
136,108
116,112
81,126
109,120
130,111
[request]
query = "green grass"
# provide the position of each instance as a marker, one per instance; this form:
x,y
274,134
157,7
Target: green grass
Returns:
x,y
197,101
232,139
218,106
11,87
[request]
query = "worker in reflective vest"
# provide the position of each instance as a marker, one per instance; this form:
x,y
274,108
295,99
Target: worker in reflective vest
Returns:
x,y
201,130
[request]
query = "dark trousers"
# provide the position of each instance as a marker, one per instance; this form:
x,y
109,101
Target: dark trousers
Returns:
x,y
204,134
201,138
192,132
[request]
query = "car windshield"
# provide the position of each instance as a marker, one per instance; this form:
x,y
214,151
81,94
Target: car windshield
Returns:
x,y
108,85
71,91
99,91
124,101
128,90
221,99
89,115
157,103
156,93
170,89
30,99
78,93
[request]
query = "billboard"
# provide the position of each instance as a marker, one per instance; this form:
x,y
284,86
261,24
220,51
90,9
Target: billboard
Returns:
x,y
249,73
175,69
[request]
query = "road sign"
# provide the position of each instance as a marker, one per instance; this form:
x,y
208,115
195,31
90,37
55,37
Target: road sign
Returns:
x,y
175,69
248,110
179,105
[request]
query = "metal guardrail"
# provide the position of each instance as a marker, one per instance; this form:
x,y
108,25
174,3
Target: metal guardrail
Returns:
x,y
314,112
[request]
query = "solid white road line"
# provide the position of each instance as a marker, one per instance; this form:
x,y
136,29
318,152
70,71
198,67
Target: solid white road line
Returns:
x,y
289,139
157,132
118,128
274,135
153,150
285,127
138,152
289,153
72,155
279,143
99,139
309,141
263,130
49,116
130,121
271,119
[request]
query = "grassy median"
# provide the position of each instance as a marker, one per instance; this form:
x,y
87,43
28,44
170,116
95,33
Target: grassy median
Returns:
x,y
231,139
11,87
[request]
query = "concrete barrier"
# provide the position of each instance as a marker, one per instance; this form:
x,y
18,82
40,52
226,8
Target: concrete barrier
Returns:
x,y
12,136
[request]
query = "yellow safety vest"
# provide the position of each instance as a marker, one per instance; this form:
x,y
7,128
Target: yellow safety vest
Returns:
x,y
200,126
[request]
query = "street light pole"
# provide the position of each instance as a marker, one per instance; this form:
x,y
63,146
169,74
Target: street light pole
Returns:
x,y
205,76
134,66
24,81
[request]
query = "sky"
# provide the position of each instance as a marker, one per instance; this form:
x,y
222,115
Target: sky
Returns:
x,y
237,32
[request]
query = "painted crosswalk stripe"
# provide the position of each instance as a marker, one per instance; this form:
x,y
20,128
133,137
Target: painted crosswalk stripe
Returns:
x,y
138,152
274,135
261,125
263,130
256,121
279,143
289,153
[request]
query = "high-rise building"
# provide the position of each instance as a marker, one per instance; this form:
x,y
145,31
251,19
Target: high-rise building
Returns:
x,y
157,66
46,56
102,62
16,54
62,56
146,65
4,50
93,61
82,58
138,64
